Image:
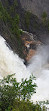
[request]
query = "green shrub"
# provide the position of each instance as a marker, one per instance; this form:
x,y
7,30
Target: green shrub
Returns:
x,y
44,15
44,18
15,3
27,19
13,22
14,96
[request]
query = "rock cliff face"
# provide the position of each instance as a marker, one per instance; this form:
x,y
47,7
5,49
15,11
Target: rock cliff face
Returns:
x,y
37,7
9,9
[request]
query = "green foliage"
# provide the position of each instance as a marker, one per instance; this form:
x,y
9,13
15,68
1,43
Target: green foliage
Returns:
x,y
5,16
13,22
28,88
10,90
27,106
44,15
15,3
44,18
14,96
13,7
27,19
0,15
14,26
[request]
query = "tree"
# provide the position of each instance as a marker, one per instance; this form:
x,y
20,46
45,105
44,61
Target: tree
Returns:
x,y
44,18
7,91
27,19
10,90
27,88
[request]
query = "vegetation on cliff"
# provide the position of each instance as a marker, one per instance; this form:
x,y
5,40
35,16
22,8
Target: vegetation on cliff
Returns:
x,y
12,25
45,20
12,19
12,22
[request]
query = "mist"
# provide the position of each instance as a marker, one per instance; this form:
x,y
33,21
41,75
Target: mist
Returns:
x,y
39,67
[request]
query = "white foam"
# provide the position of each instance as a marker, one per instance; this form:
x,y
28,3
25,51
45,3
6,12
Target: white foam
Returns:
x,y
10,63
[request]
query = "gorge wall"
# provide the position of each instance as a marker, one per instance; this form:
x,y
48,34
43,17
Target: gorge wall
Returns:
x,y
13,17
37,7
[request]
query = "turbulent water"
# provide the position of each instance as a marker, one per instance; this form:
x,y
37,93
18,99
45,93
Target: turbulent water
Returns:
x,y
10,63
39,65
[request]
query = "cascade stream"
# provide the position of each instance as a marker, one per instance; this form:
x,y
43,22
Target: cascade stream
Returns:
x,y
39,65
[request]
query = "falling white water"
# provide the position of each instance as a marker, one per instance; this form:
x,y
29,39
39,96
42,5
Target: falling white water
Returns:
x,y
39,65
10,63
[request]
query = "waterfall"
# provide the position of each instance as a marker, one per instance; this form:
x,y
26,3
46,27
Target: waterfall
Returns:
x,y
39,65
11,63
